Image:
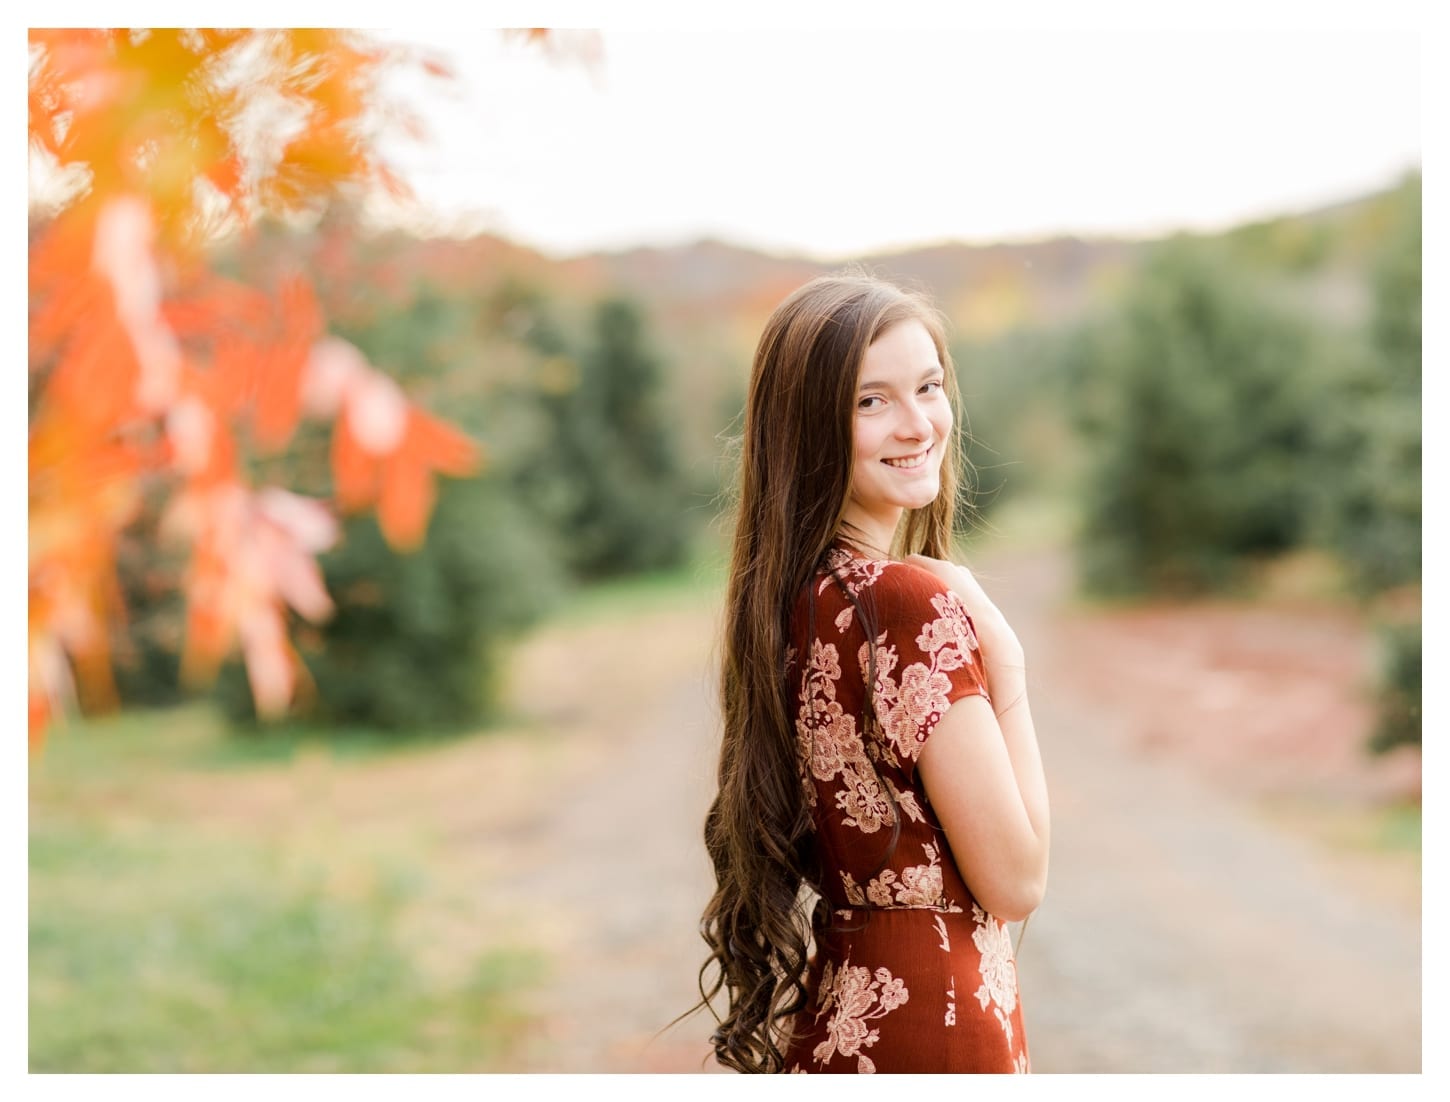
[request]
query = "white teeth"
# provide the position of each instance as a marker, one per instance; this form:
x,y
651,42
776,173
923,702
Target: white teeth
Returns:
x,y
907,464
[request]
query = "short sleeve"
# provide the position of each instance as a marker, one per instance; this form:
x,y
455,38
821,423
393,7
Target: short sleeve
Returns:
x,y
927,658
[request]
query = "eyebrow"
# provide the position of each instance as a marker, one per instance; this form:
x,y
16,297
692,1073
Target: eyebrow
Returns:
x,y
925,375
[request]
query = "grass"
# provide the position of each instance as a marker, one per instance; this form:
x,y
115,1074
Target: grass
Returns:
x,y
1392,830
195,736
152,953
1398,829
166,942
689,586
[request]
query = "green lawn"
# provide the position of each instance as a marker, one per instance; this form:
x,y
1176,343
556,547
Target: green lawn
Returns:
x,y
698,583
157,951
163,939
1399,829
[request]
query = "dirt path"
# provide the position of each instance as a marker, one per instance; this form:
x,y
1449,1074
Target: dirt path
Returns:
x,y
1182,931
613,873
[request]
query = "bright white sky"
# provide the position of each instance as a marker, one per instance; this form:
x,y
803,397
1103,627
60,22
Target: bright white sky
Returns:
x,y
836,142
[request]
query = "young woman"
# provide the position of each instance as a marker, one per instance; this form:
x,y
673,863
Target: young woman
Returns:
x,y
882,809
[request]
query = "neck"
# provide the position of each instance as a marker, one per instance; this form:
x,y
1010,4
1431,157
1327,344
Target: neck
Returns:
x,y
873,533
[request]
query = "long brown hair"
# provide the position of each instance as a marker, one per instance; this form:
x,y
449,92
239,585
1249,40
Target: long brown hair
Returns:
x,y
795,473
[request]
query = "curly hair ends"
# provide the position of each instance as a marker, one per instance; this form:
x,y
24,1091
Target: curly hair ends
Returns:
x,y
759,941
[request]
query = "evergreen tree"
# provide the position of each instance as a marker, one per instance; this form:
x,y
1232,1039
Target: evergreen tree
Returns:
x,y
605,470
1195,401
1370,437
1370,510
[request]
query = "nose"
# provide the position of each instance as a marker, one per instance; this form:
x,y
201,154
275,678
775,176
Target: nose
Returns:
x,y
914,423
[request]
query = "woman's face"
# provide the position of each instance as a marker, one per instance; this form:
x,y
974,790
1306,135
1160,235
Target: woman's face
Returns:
x,y
902,424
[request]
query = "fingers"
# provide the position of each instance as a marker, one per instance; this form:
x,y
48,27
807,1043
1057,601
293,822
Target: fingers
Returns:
x,y
960,579
991,626
950,572
939,567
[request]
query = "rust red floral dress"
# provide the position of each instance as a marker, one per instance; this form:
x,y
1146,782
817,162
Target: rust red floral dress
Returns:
x,y
909,974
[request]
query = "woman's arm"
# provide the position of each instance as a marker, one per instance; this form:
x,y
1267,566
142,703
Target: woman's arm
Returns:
x,y
982,769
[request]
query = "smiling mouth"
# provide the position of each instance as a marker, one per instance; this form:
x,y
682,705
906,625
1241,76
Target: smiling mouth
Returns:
x,y
908,463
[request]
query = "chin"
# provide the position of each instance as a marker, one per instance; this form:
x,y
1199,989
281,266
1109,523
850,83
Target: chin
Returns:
x,y
923,499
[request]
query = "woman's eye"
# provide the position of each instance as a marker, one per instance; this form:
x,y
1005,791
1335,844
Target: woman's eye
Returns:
x,y
934,385
866,402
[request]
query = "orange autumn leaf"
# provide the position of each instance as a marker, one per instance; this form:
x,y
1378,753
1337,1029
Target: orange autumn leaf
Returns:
x,y
279,372
82,492
429,446
95,381
62,292
442,447
404,502
400,479
354,472
254,559
39,718
209,305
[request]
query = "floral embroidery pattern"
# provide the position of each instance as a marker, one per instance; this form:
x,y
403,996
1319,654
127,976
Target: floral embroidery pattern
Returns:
x,y
879,890
921,885
885,692
915,886
952,630
856,574
852,991
951,1015
906,800
831,745
999,974
946,942
910,708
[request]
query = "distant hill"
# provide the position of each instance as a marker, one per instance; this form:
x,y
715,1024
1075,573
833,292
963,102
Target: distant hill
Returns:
x,y
984,288
708,300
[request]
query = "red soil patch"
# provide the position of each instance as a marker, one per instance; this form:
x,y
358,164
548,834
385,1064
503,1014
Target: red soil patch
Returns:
x,y
1271,700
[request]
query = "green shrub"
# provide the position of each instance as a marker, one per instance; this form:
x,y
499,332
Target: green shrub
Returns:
x,y
1400,688
146,639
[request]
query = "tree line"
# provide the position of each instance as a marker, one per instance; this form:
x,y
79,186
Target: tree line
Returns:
x,y
1208,419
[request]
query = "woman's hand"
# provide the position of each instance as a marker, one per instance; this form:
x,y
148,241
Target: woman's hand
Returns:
x,y
987,618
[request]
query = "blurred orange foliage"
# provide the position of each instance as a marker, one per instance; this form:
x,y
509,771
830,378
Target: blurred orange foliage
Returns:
x,y
147,368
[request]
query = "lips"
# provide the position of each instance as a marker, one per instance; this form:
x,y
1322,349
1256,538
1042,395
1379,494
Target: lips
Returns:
x,y
908,462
